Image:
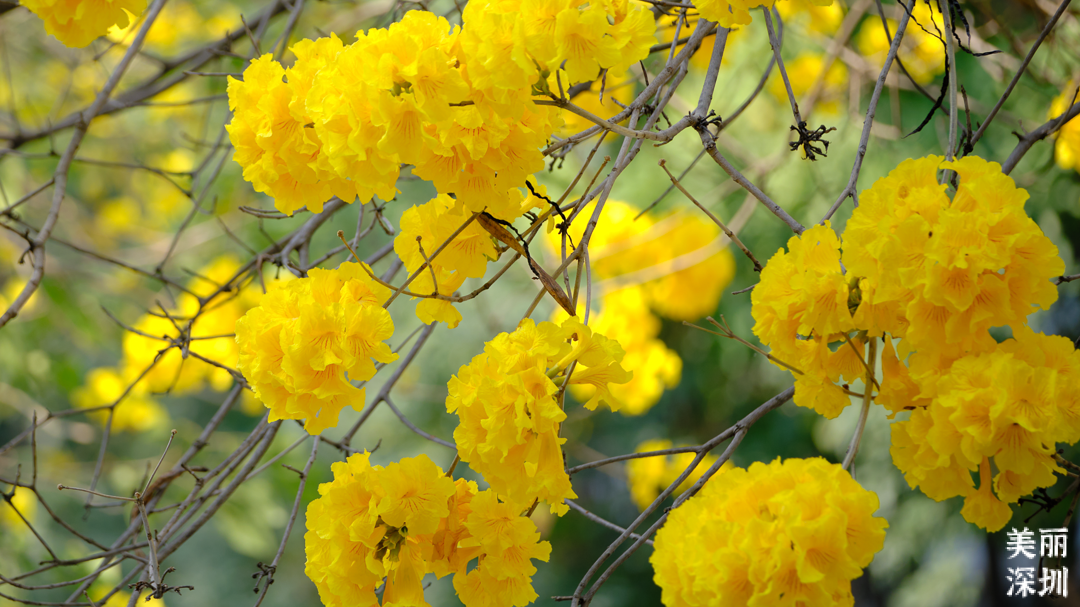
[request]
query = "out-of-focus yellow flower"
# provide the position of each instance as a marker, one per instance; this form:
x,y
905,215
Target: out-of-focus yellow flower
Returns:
x,y
26,503
137,412
922,53
121,598
180,24
77,23
701,58
803,72
620,87
821,16
785,533
11,290
1067,139
211,333
648,476
677,259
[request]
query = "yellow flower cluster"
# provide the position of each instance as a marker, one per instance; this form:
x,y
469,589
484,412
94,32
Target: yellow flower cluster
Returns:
x,y
935,273
77,23
426,228
1067,143
785,533
505,399
799,308
298,344
938,273
730,13
1010,406
921,51
406,520
625,317
648,476
455,104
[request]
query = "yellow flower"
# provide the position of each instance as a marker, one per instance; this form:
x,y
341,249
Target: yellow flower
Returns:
x,y
456,104
509,419
578,43
921,52
308,339
729,13
1067,142
800,308
792,532
137,411
414,494
679,259
1008,406
77,23
424,230
26,503
648,476
373,525
211,334
624,316
822,16
803,72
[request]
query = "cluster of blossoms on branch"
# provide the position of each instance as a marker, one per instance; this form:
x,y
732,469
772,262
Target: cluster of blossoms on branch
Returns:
x,y
456,104
310,338
408,519
442,235
933,274
785,533
506,399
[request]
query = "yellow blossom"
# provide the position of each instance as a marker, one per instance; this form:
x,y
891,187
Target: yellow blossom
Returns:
x,y
648,476
822,16
509,418
309,339
77,23
1009,407
677,258
136,411
1067,142
921,51
391,526
624,316
803,72
784,533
